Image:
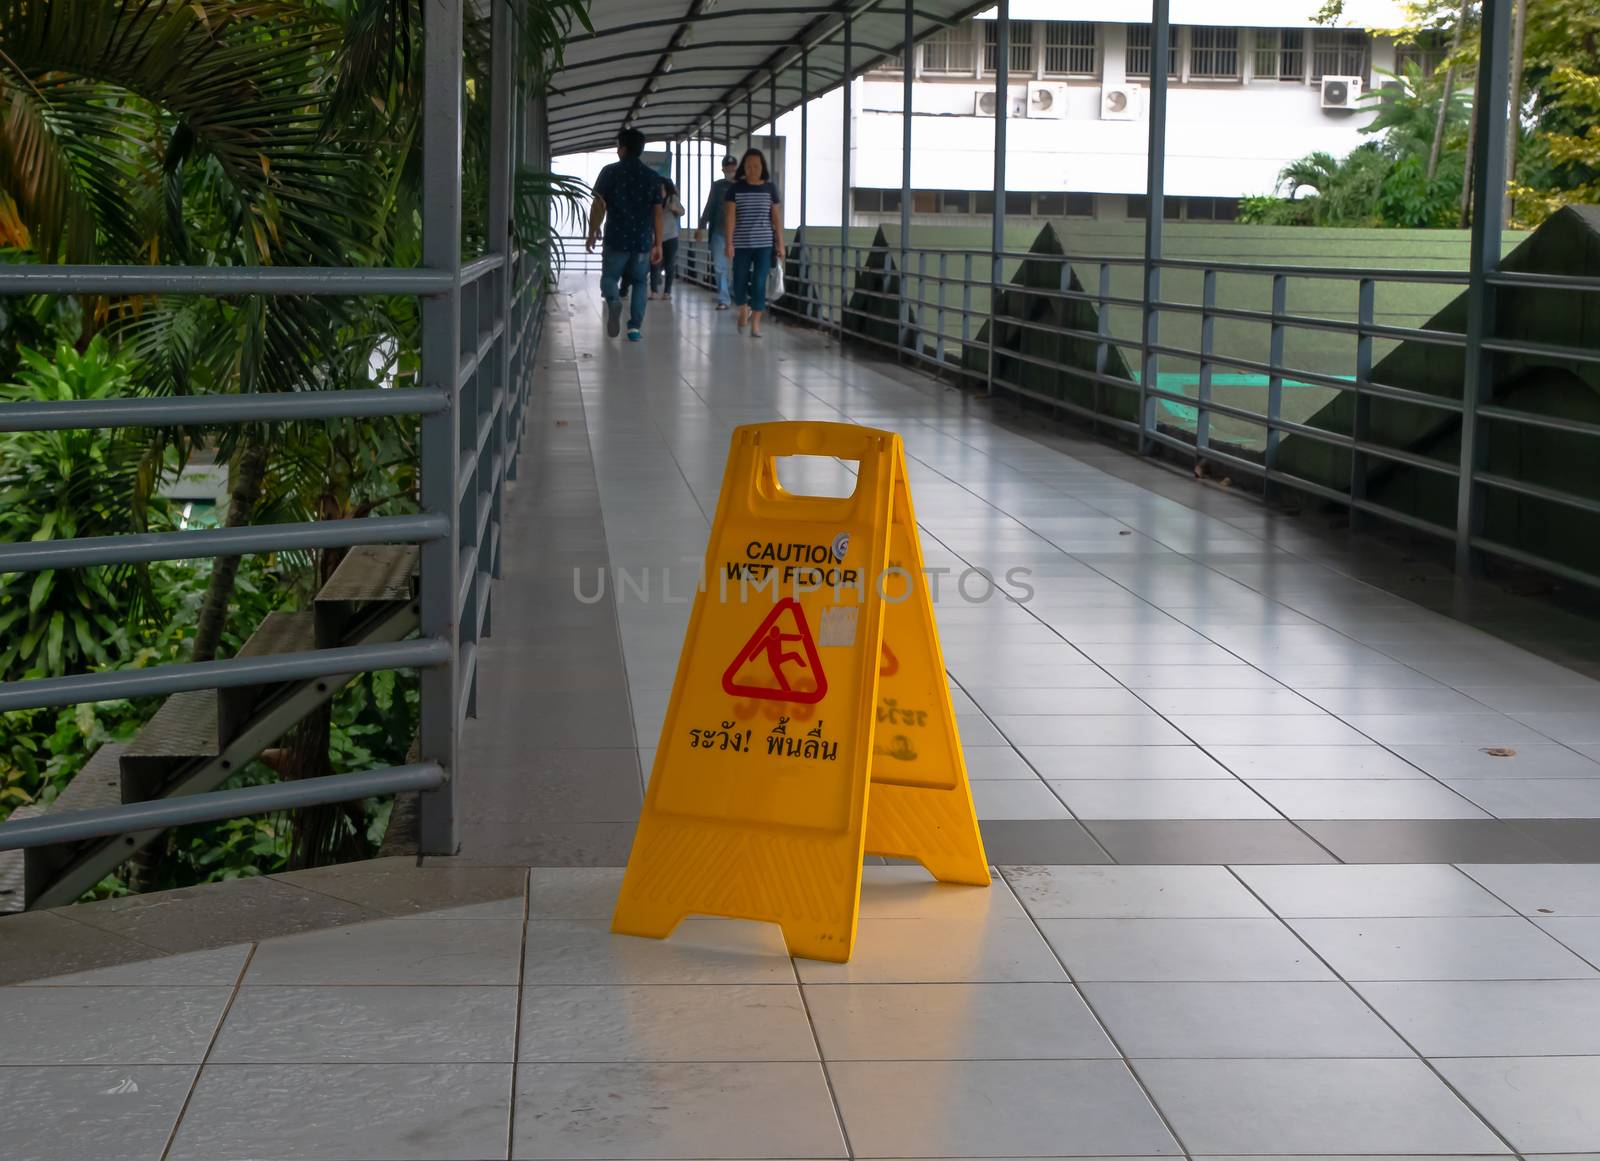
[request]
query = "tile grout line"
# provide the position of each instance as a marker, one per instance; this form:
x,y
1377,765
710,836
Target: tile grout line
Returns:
x,y
1368,1004
1517,911
516,1026
1100,1023
205,1057
822,1061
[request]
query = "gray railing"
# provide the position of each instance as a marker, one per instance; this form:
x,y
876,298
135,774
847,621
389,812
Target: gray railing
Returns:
x,y
1223,367
480,327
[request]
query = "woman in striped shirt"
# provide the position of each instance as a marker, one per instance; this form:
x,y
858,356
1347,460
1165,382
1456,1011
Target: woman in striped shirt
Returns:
x,y
755,236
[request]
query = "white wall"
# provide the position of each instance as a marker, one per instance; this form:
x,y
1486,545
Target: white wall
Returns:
x,y
1223,141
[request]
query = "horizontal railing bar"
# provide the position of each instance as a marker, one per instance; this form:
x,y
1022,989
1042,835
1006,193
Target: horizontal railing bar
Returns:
x,y
342,281
1542,350
164,411
158,814
1537,492
1530,419
1531,281
478,267
143,547
161,680
1519,556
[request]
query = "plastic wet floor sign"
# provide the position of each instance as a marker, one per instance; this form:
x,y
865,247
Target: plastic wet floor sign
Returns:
x,y
810,721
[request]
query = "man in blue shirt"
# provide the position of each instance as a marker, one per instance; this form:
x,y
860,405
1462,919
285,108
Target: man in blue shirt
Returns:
x,y
713,218
628,198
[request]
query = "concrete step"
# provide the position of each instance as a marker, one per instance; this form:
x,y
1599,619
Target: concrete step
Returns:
x,y
278,633
369,578
184,730
97,785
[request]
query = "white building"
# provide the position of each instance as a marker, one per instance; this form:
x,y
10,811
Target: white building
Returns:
x,y
1253,85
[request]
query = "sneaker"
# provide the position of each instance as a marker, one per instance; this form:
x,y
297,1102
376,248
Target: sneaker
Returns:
x,y
613,316
634,334
722,306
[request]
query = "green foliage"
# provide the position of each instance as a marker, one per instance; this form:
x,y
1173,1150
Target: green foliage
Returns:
x,y
290,136
55,485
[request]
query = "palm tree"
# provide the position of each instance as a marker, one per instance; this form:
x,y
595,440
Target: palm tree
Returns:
x,y
245,133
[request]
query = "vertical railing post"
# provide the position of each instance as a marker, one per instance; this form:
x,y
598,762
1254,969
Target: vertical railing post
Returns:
x,y
848,67
1275,354
1361,420
966,301
997,236
907,77
1102,348
440,368
808,265
1155,213
1208,340
944,273
1488,195
502,94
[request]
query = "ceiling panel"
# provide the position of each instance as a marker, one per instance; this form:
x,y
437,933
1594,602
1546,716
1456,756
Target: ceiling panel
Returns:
x,y
720,50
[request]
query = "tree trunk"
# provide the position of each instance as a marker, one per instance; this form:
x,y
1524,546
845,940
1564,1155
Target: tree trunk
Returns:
x,y
1519,34
1439,124
252,469
1466,169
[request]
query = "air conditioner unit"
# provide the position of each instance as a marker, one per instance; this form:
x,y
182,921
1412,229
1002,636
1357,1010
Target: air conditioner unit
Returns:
x,y
1046,100
1341,92
1016,105
1121,103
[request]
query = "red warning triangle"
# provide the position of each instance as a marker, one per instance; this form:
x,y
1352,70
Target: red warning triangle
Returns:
x,y
779,662
888,664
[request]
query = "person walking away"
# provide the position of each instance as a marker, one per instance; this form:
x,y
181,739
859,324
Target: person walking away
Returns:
x,y
664,270
628,198
754,221
712,218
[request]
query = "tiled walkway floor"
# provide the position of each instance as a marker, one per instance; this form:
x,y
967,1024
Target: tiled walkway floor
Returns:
x,y
1084,1011
1203,710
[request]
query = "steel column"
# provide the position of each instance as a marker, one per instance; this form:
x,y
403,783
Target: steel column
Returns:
x,y
442,95
1155,212
805,134
844,168
997,238
1488,195
907,50
502,92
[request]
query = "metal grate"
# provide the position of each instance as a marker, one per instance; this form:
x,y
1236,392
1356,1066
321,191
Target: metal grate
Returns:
x,y
1070,49
1214,53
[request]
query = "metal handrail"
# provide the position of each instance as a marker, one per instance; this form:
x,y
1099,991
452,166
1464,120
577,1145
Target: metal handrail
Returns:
x,y
836,297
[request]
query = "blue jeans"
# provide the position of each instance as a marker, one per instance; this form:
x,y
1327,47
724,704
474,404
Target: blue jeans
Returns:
x,y
750,267
719,263
618,265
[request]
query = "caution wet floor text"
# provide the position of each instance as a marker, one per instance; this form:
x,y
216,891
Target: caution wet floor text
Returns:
x,y
810,721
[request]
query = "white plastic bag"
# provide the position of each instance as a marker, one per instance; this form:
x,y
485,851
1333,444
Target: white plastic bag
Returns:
x,y
775,282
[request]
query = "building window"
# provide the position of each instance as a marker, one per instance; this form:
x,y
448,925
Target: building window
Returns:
x,y
1214,53
1138,59
1070,49
1427,52
1280,54
924,201
1020,204
1064,205
951,51
983,202
1340,52
955,201
1021,46
868,201
1211,209
1138,207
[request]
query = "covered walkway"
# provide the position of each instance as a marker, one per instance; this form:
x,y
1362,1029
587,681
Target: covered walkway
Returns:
x,y
1266,884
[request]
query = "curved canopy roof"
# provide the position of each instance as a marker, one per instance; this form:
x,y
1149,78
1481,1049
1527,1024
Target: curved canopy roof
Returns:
x,y
669,67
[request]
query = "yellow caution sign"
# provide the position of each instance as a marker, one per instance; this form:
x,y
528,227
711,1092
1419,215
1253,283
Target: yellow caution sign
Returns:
x,y
810,720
